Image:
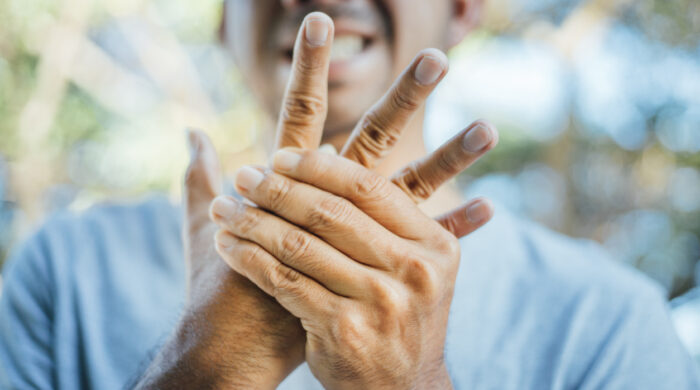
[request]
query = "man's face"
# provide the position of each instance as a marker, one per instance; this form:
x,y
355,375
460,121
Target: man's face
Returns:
x,y
374,41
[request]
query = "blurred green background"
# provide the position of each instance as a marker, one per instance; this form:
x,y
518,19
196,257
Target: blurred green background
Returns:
x,y
598,104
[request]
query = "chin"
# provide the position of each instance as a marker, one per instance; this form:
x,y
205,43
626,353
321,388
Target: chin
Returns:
x,y
348,103
336,135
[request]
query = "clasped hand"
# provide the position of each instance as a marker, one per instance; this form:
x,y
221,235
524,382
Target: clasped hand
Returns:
x,y
340,247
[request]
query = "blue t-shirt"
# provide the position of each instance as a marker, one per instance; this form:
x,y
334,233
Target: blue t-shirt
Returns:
x,y
88,300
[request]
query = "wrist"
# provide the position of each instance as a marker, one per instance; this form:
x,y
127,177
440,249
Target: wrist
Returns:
x,y
436,378
223,344
197,357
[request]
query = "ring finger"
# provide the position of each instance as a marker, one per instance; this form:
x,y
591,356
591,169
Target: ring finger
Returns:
x,y
292,246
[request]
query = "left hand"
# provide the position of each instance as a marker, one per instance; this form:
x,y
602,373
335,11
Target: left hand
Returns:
x,y
349,253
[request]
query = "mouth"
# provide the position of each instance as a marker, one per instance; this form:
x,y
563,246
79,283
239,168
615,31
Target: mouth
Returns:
x,y
356,50
347,45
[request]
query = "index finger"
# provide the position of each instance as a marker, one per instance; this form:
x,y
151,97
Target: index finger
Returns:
x,y
305,102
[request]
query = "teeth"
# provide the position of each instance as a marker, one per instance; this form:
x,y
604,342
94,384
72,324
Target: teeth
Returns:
x,y
345,47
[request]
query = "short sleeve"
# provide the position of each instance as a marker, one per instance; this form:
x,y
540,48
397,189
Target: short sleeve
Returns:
x,y
642,350
26,319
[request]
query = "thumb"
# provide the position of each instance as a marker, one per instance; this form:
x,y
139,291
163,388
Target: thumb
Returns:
x,y
203,178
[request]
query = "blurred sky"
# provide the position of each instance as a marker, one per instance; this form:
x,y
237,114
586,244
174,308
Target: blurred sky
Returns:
x,y
598,104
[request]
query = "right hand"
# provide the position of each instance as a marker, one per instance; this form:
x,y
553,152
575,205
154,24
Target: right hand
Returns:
x,y
232,333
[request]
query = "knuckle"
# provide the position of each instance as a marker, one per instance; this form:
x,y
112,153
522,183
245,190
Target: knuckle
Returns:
x,y
387,298
301,109
295,243
422,277
349,328
450,223
370,185
308,65
448,247
283,279
329,213
448,244
246,222
404,100
449,163
249,254
293,135
377,136
412,182
278,190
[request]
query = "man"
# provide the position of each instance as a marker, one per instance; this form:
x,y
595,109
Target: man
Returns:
x,y
338,267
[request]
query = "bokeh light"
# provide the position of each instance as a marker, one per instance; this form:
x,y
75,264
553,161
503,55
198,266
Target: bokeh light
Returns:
x,y
597,102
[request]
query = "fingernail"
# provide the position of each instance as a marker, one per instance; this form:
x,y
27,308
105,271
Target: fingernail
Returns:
x,y
225,240
479,212
285,160
477,138
429,70
317,30
328,149
249,178
224,207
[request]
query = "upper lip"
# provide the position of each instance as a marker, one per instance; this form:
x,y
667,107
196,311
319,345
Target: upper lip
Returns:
x,y
342,27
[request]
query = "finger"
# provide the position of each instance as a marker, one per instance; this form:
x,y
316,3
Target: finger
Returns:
x,y
373,194
422,178
381,126
292,246
202,180
305,101
328,148
468,218
334,219
300,295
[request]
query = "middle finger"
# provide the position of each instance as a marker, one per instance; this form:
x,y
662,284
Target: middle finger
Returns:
x,y
292,246
305,101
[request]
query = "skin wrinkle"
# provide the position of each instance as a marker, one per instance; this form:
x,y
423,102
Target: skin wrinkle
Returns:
x,y
277,191
375,139
231,304
300,110
451,223
448,164
401,100
330,212
295,244
353,348
413,183
309,261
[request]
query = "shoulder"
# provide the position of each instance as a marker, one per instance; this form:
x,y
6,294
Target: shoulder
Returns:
x,y
583,266
113,261
101,234
571,276
524,255
152,215
576,268
113,228
585,317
